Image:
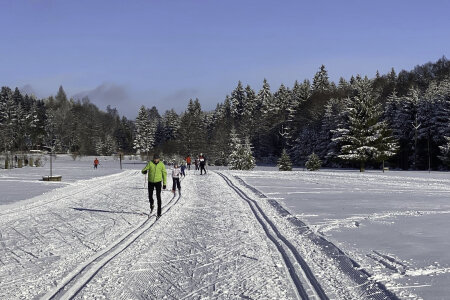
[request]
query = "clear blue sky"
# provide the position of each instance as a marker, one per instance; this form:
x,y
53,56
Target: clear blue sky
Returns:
x,y
129,53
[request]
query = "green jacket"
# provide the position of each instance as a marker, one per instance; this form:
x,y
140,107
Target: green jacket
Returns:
x,y
156,172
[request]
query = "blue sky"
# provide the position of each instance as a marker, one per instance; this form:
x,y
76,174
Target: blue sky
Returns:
x,y
132,53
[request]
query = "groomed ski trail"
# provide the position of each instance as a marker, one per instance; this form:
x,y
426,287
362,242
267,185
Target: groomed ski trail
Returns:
x,y
207,246
53,235
304,280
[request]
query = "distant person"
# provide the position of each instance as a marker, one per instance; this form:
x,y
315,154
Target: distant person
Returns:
x,y
157,176
202,161
188,162
196,164
182,168
176,172
96,163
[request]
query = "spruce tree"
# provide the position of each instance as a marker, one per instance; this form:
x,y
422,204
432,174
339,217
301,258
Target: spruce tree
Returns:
x,y
320,81
237,103
284,162
144,133
241,157
333,118
364,137
313,163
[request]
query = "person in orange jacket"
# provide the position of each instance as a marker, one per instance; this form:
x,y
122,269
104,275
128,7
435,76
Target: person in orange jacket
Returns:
x,y
96,163
188,162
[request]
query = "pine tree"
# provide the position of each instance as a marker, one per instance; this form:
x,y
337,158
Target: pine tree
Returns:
x,y
8,119
320,81
248,160
171,123
250,114
238,103
334,117
265,97
284,162
261,140
144,133
364,137
192,135
313,163
241,157
221,133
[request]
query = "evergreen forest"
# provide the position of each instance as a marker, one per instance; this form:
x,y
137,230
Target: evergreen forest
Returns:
x,y
400,120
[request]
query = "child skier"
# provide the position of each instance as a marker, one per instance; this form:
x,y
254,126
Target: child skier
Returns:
x,y
96,163
176,178
183,167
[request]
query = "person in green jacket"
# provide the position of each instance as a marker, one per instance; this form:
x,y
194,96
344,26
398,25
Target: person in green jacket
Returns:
x,y
156,174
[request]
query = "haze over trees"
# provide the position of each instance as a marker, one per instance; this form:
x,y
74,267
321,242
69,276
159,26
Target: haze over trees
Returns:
x,y
398,118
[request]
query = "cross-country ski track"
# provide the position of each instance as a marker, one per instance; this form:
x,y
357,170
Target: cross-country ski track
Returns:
x,y
219,239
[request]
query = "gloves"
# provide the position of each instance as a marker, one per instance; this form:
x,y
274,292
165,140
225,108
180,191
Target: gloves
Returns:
x,y
164,187
144,172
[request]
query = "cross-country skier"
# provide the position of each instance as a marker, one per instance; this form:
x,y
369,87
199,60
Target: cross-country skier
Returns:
x,y
96,163
182,168
188,161
202,161
176,172
156,174
196,164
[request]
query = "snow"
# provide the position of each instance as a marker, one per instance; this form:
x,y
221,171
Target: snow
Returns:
x,y
402,216
90,236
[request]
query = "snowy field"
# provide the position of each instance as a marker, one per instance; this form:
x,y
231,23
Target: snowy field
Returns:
x,y
25,183
90,237
395,225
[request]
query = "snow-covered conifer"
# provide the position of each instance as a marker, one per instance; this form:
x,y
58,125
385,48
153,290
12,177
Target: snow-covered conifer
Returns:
x,y
265,97
313,163
284,162
333,118
241,157
238,102
320,81
145,132
364,137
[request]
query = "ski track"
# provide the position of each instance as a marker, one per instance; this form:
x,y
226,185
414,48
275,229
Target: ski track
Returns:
x,y
302,280
207,246
43,241
219,240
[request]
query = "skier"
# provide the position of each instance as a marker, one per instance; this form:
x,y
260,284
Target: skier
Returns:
x,y
96,163
176,178
188,161
196,164
202,160
183,167
156,173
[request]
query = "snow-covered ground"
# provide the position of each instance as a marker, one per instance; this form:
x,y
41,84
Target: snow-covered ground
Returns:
x,y
25,183
89,236
394,224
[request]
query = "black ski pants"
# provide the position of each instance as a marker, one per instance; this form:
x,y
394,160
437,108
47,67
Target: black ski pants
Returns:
x,y
202,168
151,187
176,184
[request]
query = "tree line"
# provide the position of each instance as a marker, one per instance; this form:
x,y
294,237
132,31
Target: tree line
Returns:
x,y
397,119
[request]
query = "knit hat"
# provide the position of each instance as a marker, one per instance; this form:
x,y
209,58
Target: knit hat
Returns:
x,y
155,156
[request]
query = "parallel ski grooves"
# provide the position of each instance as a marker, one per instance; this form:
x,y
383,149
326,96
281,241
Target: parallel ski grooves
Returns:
x,y
308,273
75,282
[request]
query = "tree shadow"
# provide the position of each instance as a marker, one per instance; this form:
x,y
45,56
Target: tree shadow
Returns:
x,y
106,211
